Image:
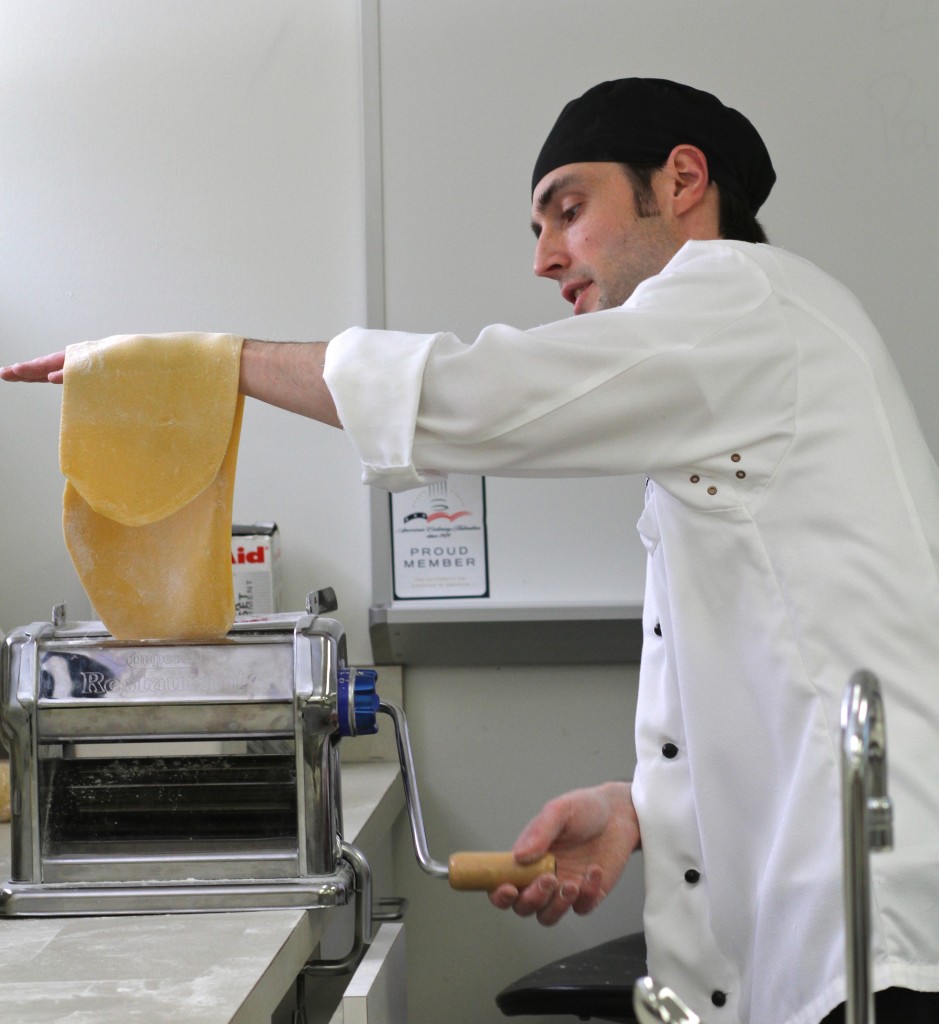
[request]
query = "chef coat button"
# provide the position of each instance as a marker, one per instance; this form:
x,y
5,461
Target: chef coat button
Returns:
x,y
740,474
669,750
657,629
692,877
735,457
718,998
712,490
694,478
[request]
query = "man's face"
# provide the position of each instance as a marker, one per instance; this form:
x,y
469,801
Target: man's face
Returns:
x,y
592,240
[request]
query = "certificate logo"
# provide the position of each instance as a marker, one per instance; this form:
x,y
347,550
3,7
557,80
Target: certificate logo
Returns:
x,y
439,540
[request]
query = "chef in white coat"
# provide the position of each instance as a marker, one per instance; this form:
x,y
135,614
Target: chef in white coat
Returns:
x,y
792,530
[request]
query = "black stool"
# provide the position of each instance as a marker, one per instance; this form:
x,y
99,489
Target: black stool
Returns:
x,y
597,982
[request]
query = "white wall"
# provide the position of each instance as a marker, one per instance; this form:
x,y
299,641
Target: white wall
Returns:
x,y
180,165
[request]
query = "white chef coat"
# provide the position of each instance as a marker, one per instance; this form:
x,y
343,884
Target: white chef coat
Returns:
x,y
792,529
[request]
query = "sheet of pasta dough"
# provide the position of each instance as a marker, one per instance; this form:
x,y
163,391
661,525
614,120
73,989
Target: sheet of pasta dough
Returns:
x,y
149,446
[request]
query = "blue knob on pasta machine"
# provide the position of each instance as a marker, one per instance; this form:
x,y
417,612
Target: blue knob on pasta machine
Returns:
x,y
357,701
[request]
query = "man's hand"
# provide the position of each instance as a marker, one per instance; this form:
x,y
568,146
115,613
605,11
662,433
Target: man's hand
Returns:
x,y
45,369
592,833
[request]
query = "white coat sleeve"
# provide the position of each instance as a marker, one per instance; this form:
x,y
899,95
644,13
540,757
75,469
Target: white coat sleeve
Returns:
x,y
697,359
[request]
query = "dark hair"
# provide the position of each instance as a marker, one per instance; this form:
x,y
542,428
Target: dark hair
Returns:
x,y
735,219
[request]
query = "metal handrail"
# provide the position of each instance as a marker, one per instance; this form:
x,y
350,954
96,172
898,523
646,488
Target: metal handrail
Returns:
x,y
867,825
660,1005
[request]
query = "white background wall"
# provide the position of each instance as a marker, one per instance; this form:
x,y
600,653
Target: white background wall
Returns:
x,y
180,165
196,164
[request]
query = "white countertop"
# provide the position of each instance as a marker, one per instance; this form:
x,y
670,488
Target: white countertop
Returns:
x,y
226,968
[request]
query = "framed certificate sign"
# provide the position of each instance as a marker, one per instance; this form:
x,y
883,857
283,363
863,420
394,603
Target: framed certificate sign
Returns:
x,y
438,540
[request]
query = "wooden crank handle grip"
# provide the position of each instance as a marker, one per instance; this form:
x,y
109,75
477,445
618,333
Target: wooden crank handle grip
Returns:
x,y
483,872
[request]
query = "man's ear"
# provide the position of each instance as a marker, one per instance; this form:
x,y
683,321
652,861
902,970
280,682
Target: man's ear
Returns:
x,y
687,170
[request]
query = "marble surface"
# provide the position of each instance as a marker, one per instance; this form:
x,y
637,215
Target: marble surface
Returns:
x,y
226,968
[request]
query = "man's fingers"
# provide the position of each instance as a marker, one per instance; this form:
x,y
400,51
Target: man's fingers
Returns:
x,y
559,904
542,832
591,893
504,897
547,899
45,368
534,899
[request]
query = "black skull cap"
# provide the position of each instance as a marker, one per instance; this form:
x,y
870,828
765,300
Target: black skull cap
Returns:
x,y
641,120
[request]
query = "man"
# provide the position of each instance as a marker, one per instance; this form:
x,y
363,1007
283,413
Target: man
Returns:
x,y
790,527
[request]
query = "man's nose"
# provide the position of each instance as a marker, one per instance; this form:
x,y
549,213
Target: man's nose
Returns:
x,y
550,256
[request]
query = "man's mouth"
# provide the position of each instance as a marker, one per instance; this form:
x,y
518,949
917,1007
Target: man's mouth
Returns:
x,y
573,292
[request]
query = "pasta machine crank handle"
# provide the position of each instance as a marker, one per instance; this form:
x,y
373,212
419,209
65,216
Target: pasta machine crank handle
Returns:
x,y
469,870
357,705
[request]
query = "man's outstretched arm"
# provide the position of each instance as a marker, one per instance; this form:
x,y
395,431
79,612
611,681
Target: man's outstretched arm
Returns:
x,y
286,374
289,375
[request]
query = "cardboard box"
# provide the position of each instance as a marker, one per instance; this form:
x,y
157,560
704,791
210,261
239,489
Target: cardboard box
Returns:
x,y
255,566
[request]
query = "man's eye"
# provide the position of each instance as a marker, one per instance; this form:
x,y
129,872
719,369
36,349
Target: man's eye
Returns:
x,y
570,212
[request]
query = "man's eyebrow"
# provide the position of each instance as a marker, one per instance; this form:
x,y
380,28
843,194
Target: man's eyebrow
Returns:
x,y
545,198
